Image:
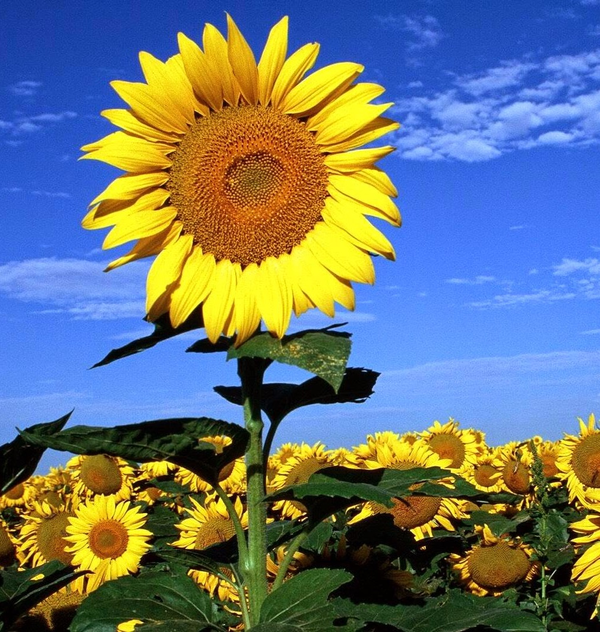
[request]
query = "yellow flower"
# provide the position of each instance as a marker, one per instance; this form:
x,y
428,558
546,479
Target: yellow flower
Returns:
x,y
19,496
587,565
486,473
578,463
495,565
101,474
8,545
247,181
107,538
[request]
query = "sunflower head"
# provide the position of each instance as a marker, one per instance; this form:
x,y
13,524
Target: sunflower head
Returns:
x,y
248,181
7,547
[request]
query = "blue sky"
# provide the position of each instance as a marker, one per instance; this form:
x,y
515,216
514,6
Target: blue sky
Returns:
x,y
490,314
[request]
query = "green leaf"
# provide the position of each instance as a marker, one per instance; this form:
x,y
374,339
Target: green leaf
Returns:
x,y
280,399
19,459
498,524
162,331
19,592
322,352
453,612
302,601
175,440
210,559
156,598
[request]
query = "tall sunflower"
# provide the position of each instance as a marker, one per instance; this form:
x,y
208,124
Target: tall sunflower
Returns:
x,y
587,546
247,180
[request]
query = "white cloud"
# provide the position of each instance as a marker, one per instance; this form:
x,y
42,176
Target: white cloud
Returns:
x,y
425,30
25,88
36,122
478,280
52,194
76,287
519,104
511,299
590,332
568,266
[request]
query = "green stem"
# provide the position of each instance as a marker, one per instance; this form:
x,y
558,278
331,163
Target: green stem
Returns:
x,y
269,440
251,372
243,602
237,525
289,556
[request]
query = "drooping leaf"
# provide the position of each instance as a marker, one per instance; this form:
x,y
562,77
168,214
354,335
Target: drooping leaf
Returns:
x,y
322,352
168,598
302,602
498,524
21,590
280,399
19,459
453,612
210,559
175,440
162,331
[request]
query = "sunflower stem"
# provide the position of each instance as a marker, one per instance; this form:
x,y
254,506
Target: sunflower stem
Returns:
x,y
251,371
289,556
237,525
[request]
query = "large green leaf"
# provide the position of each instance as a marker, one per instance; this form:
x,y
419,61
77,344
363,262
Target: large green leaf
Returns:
x,y
162,331
176,440
18,459
19,591
453,612
168,598
320,351
302,602
280,399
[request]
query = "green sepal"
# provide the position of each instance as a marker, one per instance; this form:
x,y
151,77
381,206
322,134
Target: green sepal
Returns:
x,y
454,611
178,441
320,351
18,459
158,598
302,601
280,399
163,330
19,592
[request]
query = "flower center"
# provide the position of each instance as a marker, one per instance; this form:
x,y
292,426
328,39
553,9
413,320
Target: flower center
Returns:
x,y
498,566
248,183
214,530
108,539
50,538
486,475
448,446
16,492
410,512
516,477
586,460
101,474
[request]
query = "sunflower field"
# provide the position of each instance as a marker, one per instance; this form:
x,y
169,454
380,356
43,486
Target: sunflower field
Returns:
x,y
254,187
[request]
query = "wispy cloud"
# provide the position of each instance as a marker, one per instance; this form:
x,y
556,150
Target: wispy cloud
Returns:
x,y
23,125
478,280
52,194
518,104
76,287
25,88
424,31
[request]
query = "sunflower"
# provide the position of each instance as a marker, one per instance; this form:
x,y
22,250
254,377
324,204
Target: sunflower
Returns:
x,y
515,461
495,565
18,496
419,514
578,464
107,538
8,544
101,474
53,614
448,441
367,451
298,469
42,535
232,477
587,546
205,526
486,473
247,181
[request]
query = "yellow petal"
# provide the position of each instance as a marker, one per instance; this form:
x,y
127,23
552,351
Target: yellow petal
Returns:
x,y
165,81
138,225
110,212
165,272
339,255
129,153
150,106
217,306
242,61
215,48
272,60
346,121
360,94
202,75
357,229
365,194
319,86
194,285
301,302
343,293
126,120
246,314
359,159
292,71
313,279
374,130
148,246
378,178
274,295
129,186
176,70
